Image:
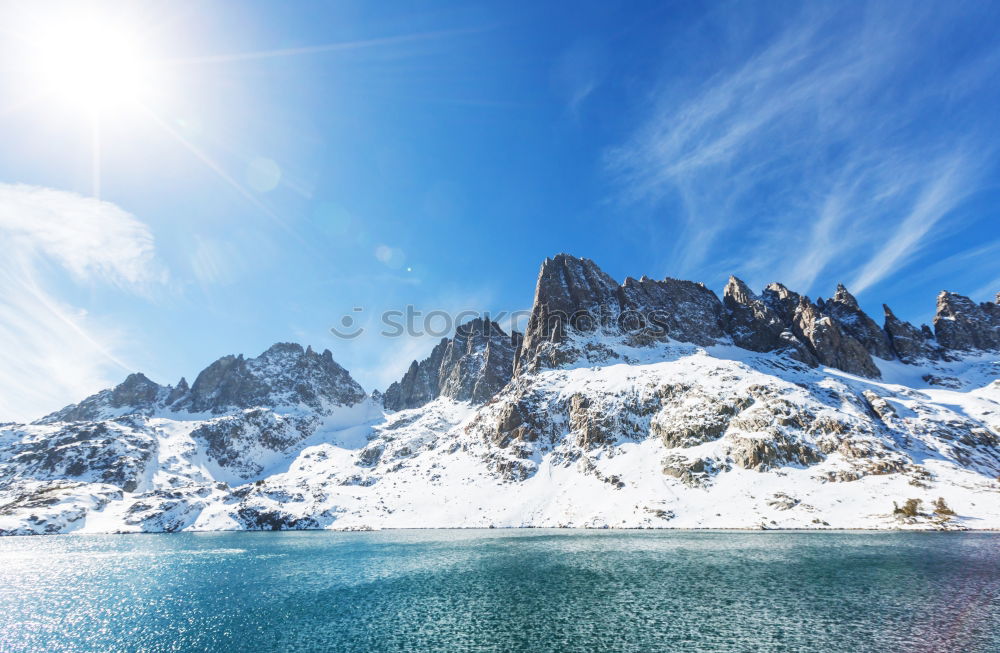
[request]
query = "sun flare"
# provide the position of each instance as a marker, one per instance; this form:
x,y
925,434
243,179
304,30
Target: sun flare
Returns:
x,y
92,63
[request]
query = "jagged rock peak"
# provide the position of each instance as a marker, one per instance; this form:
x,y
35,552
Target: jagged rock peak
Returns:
x,y
908,342
738,290
567,288
686,310
854,322
479,326
782,300
178,391
567,285
135,389
135,394
845,298
963,325
573,295
829,343
473,365
283,375
755,325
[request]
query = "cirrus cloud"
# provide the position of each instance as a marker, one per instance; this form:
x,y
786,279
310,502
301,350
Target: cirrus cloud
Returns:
x,y
834,147
55,352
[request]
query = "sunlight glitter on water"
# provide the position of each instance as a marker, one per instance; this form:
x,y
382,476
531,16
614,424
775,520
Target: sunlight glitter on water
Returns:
x,y
534,590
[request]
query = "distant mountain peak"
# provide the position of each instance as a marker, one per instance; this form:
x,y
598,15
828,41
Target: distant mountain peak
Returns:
x,y
284,374
470,366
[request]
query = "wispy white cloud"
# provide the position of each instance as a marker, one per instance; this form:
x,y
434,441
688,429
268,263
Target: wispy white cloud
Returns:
x,y
805,161
91,239
947,187
55,353
578,72
988,292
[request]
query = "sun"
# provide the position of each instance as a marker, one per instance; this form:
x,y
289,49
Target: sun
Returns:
x,y
91,63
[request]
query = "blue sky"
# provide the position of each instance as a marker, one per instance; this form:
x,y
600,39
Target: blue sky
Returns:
x,y
292,161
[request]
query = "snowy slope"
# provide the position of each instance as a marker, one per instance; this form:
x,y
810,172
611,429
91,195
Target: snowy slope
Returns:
x,y
677,436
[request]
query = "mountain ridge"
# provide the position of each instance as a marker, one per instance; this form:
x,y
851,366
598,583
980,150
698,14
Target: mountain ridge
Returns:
x,y
644,403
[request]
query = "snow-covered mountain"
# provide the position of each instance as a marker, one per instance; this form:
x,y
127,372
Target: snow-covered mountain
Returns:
x,y
638,404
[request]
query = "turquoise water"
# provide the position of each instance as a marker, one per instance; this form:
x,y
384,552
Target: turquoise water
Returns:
x,y
524,590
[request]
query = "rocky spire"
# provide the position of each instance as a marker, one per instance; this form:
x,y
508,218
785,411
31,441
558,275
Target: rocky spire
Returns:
x,y
419,384
854,322
178,391
753,324
781,300
961,324
737,293
908,342
569,289
473,366
829,343
845,298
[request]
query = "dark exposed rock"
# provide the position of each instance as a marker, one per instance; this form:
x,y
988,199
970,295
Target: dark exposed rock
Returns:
x,y
574,295
178,391
97,452
592,427
684,310
284,375
516,418
254,518
135,394
908,342
754,324
136,390
471,366
418,386
828,343
692,418
761,454
950,382
478,361
963,325
693,472
854,322
370,455
782,301
571,293
811,333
